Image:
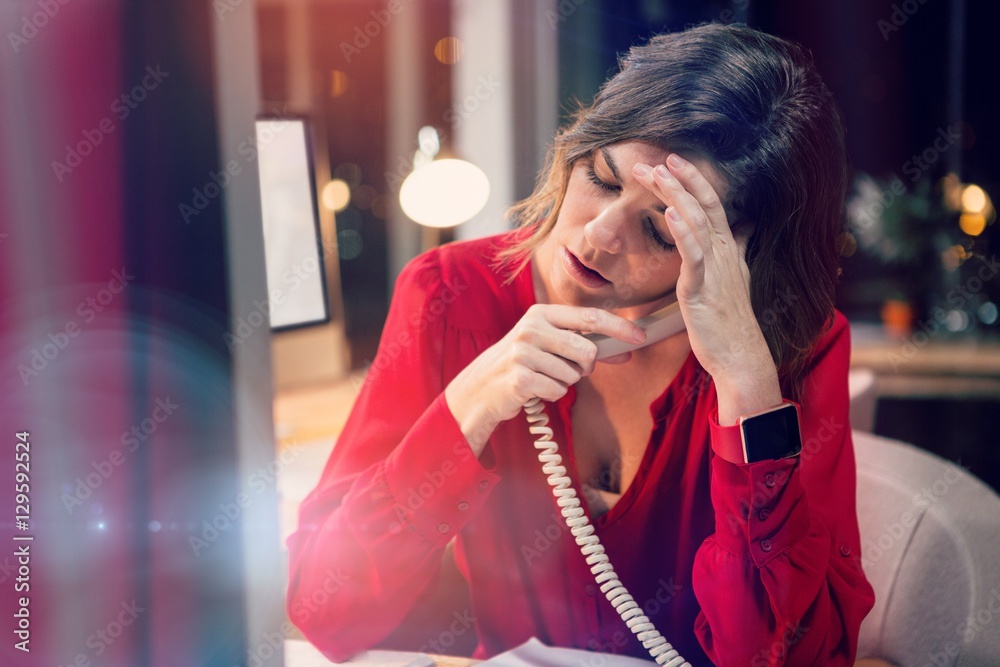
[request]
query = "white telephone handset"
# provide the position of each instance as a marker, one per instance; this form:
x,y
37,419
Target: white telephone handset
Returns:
x,y
659,325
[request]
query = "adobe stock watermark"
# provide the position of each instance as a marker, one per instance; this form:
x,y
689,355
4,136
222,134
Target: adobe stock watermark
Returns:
x,y
461,111
291,279
416,496
766,489
390,351
665,592
457,114
462,623
102,638
31,25
874,549
898,17
130,441
976,622
957,297
864,215
230,512
564,10
363,35
121,107
88,309
217,181
306,605
777,652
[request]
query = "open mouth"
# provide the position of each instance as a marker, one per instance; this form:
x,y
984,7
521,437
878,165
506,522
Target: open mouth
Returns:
x,y
582,274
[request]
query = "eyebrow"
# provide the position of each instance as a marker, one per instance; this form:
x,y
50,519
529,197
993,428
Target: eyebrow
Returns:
x,y
659,208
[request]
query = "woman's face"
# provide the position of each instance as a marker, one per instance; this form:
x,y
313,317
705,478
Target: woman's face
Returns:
x,y
610,246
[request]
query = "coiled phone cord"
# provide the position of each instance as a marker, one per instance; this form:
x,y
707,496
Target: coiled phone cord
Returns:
x,y
590,545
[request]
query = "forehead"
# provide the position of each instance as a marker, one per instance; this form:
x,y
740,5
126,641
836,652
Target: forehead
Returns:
x,y
627,153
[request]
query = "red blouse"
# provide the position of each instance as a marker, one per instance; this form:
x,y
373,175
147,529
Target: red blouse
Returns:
x,y
738,564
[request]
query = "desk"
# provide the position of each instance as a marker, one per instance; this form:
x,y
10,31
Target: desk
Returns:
x,y
923,366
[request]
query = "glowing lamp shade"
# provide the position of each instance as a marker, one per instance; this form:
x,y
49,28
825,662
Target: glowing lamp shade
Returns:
x,y
444,193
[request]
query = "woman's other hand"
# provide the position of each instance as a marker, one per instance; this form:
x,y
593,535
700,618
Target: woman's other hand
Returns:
x,y
713,289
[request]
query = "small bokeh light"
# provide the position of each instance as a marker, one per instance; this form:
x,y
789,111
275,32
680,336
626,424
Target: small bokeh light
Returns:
x,y
448,50
336,195
338,83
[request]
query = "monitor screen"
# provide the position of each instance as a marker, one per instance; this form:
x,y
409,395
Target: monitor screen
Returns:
x,y
296,282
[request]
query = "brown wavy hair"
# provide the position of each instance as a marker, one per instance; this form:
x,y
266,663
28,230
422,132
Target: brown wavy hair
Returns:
x,y
755,105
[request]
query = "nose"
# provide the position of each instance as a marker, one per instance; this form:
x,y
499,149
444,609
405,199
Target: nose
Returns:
x,y
605,232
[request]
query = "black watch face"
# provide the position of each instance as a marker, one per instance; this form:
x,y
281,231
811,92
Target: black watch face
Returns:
x,y
772,435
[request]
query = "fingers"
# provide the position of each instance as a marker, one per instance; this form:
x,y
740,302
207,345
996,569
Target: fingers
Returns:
x,y
681,186
702,196
589,320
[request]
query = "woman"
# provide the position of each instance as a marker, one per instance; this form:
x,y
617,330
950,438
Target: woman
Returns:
x,y
709,171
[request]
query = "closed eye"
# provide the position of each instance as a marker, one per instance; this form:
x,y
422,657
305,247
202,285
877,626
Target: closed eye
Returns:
x,y
596,180
655,235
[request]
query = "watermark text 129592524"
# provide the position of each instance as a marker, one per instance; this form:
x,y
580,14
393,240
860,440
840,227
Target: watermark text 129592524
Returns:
x,y
22,541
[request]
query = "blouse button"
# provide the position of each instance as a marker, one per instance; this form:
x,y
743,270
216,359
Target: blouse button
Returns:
x,y
591,590
769,480
763,514
482,485
765,545
845,550
443,528
744,510
462,506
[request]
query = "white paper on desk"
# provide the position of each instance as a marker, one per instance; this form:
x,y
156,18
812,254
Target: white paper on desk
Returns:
x,y
300,653
533,653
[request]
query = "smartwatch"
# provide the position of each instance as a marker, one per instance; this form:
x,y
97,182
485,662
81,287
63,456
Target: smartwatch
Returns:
x,y
771,434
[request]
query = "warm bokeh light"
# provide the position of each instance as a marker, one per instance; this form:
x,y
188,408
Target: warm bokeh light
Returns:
x,y
972,224
338,83
953,257
952,189
336,195
444,193
448,50
973,199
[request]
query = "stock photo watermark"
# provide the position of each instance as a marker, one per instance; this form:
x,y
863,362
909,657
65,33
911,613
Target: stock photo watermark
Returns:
x,y
102,638
876,548
230,512
121,107
390,351
363,35
898,16
40,357
130,440
35,22
958,298
218,181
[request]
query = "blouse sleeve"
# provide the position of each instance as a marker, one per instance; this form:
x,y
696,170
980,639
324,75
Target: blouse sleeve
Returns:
x,y
780,581
401,482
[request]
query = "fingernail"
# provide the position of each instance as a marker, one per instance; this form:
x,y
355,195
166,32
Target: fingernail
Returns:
x,y
674,215
676,161
639,335
662,172
642,169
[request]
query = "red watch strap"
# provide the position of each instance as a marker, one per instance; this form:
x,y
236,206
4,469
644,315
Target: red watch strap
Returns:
x,y
726,440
